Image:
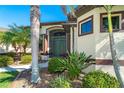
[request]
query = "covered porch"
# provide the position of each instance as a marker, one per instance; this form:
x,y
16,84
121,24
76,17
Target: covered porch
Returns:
x,y
56,39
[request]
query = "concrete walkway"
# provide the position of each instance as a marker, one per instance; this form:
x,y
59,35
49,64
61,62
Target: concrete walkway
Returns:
x,y
14,68
21,68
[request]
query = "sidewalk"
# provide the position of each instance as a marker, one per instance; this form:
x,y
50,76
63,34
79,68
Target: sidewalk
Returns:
x,y
15,68
21,68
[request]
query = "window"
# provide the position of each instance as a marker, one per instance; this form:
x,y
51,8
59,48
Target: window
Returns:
x,y
86,26
115,23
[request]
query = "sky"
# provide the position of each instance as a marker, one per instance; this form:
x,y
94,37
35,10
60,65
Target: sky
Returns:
x,y
20,14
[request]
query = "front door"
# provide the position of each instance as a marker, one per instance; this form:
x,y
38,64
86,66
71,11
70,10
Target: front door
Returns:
x,y
58,44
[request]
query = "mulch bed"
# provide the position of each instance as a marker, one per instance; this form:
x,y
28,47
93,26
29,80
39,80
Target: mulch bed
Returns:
x,y
23,80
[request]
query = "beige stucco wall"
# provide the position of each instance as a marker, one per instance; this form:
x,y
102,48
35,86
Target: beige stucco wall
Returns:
x,y
97,44
106,68
75,39
44,28
86,43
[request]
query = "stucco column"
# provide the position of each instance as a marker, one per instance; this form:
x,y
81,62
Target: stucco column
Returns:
x,y
46,43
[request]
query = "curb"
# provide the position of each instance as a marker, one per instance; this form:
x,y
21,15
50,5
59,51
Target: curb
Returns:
x,y
17,76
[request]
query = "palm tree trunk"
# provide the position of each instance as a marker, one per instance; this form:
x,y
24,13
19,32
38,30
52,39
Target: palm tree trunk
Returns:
x,y
24,49
115,60
35,27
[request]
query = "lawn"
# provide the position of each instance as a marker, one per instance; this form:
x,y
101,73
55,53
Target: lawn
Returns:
x,y
6,79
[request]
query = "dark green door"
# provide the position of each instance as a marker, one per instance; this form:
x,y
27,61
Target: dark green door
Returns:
x,y
58,45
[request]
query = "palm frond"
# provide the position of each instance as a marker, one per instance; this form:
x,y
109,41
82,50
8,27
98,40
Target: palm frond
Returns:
x,y
72,11
64,9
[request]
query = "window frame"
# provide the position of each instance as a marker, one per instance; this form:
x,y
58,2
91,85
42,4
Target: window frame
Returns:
x,y
80,28
102,15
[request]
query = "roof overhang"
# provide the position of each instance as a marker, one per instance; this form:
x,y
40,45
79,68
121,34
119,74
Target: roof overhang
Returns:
x,y
70,23
82,9
52,23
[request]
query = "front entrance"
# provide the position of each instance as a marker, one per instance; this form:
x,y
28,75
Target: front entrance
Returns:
x,y
57,43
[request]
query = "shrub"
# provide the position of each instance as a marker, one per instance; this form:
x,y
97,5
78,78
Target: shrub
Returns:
x,y
55,65
5,61
10,60
99,79
26,59
60,82
74,63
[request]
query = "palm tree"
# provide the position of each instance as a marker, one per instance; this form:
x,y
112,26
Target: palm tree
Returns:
x,y
71,10
18,37
1,35
116,65
35,27
11,38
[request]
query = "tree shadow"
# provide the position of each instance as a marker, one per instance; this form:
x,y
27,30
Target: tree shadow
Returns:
x,y
103,45
119,43
8,76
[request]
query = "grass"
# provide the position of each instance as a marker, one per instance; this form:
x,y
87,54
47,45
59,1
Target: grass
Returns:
x,y
6,79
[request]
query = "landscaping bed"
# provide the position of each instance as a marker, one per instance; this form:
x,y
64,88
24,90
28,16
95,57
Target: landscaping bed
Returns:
x,y
67,73
23,81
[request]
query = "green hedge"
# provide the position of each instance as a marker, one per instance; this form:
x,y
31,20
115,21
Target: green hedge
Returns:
x,y
5,61
99,79
26,59
55,65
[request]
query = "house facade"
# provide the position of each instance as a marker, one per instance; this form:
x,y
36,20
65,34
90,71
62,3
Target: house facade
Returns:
x,y
92,34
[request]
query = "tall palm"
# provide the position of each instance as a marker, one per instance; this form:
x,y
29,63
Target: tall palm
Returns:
x,y
116,65
35,27
18,37
11,38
